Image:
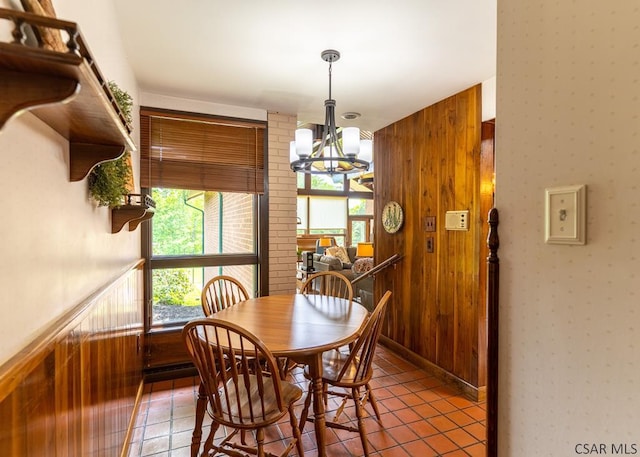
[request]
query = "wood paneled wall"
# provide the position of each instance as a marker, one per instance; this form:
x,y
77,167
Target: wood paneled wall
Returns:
x,y
73,391
430,162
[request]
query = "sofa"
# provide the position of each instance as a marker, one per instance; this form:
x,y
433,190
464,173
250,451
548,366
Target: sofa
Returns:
x,y
351,267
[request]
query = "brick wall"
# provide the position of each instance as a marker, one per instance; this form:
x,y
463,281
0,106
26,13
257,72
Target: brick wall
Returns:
x,y
282,205
237,233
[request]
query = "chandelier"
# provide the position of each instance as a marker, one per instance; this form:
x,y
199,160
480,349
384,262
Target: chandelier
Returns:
x,y
339,150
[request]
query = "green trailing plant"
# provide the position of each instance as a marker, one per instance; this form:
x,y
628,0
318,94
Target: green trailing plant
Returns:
x,y
110,181
123,99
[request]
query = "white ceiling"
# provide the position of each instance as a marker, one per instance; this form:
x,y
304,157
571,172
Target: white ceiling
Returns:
x,y
397,56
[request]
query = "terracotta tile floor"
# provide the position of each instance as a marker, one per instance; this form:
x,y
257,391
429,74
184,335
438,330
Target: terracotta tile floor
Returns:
x,y
421,416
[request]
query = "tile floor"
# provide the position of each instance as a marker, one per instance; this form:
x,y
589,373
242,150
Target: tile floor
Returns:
x,y
421,416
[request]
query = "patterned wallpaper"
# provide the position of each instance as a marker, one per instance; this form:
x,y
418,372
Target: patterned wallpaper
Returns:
x,y
568,112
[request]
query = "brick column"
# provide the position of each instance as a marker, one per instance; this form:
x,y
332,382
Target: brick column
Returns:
x,y
282,205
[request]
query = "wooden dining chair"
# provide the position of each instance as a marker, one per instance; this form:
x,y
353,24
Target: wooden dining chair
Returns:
x,y
352,371
328,283
221,292
239,396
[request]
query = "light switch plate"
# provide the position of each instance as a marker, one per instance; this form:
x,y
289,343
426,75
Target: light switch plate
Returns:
x,y
429,223
565,215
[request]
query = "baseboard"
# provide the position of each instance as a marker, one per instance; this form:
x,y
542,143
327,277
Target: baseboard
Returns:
x,y
469,391
170,372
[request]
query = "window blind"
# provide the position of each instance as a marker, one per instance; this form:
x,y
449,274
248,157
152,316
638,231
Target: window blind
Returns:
x,y
199,152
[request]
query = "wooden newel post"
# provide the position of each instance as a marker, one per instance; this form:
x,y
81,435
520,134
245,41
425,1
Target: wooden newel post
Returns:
x,y
493,275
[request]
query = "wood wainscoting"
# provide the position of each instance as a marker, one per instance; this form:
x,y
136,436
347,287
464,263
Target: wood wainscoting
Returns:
x,y
73,391
432,162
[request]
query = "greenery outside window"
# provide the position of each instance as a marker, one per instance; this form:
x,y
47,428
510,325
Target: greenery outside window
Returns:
x,y
327,182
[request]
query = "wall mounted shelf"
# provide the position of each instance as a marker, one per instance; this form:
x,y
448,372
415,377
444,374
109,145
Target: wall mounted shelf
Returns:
x,y
64,88
138,208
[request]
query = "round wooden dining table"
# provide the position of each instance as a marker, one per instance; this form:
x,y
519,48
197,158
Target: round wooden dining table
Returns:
x,y
299,327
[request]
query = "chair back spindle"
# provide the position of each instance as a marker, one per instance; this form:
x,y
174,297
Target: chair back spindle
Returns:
x,y
328,283
221,292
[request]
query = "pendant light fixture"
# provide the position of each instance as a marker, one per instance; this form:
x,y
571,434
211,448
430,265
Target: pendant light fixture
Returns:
x,y
339,151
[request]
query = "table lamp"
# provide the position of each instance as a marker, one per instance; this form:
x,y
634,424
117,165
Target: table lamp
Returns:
x,y
325,242
364,250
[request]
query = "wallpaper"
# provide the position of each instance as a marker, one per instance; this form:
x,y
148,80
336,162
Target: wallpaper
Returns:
x,y
568,88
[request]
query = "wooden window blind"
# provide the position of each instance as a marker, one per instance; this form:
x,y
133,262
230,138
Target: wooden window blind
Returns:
x,y
198,152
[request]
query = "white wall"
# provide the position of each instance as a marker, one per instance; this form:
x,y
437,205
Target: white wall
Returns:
x,y
198,106
568,112
56,245
489,99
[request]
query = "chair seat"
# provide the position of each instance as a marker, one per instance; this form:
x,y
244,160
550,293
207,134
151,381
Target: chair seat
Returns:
x,y
332,364
251,399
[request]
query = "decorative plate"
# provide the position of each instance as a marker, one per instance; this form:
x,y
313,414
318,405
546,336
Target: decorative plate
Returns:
x,y
392,217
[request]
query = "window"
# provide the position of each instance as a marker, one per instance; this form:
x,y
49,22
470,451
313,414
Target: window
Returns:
x,y
205,175
327,207
327,182
199,224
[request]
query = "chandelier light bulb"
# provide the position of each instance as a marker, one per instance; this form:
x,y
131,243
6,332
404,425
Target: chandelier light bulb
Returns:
x,y
327,153
366,150
351,141
304,142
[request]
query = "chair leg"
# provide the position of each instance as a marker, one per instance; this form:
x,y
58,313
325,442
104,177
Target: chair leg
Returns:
x,y
372,400
208,444
305,409
296,431
260,442
201,406
360,415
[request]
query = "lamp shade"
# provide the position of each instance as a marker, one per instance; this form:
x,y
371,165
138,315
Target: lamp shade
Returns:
x,y
366,150
324,242
304,142
351,141
364,250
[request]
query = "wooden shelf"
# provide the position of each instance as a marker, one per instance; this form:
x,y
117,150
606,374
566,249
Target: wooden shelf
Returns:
x,y
65,89
139,208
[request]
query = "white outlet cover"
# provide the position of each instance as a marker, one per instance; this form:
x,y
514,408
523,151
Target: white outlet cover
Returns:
x,y
565,215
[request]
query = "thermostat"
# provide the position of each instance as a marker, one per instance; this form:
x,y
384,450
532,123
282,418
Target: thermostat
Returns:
x,y
456,220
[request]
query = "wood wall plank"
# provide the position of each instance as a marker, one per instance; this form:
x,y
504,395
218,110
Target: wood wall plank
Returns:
x,y
72,392
431,163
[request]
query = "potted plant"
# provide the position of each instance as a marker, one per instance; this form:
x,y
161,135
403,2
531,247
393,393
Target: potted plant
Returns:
x,y
111,181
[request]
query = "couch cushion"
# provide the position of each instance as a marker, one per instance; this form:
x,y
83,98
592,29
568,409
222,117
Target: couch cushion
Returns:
x,y
334,262
339,252
362,265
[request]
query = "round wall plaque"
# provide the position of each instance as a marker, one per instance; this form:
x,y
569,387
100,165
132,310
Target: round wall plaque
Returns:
x,y
392,217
